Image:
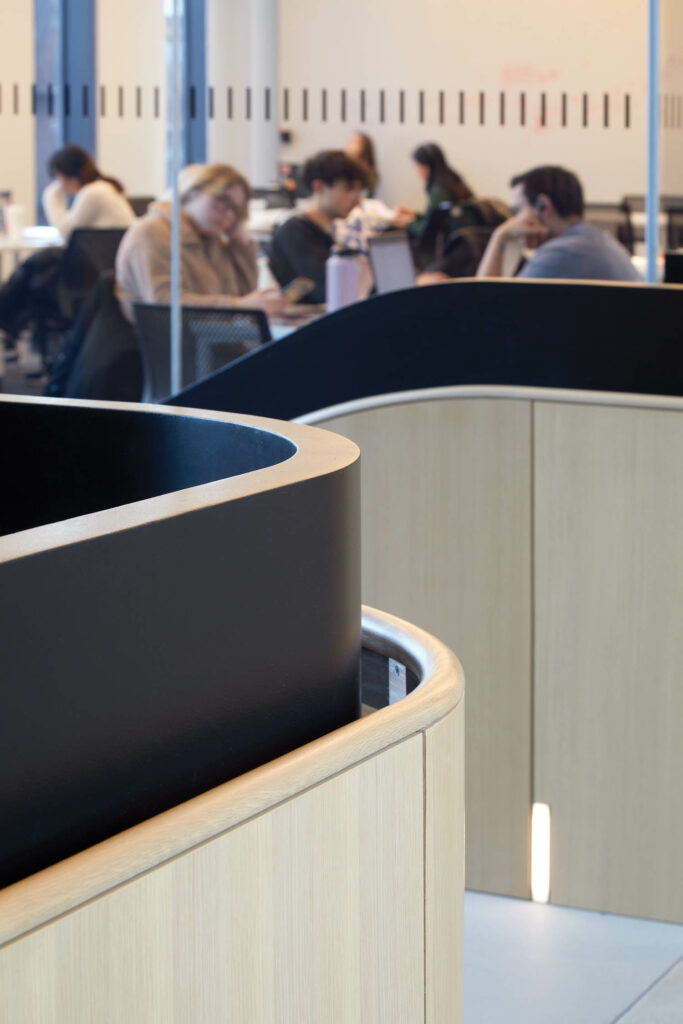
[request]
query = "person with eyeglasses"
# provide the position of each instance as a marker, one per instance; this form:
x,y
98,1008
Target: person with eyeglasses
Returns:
x,y
217,260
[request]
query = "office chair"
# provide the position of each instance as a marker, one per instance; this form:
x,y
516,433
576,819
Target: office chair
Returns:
x,y
674,226
140,204
88,253
100,357
211,337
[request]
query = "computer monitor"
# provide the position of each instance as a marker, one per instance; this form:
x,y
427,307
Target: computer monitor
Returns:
x,y
392,262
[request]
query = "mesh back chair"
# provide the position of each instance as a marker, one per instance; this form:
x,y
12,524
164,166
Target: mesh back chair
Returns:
x,y
211,338
614,218
140,204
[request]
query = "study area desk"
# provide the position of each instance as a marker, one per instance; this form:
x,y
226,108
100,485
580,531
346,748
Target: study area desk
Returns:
x,y
31,239
198,823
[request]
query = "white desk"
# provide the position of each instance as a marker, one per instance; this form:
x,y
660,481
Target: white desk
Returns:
x,y
31,238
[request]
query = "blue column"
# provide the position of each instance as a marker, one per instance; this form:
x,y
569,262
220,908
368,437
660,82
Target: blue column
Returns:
x,y
195,77
47,94
64,93
78,33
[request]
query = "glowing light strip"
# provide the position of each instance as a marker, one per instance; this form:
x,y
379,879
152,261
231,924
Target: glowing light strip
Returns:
x,y
540,853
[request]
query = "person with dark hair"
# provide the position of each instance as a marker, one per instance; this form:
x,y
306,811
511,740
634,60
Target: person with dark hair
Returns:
x,y
97,201
300,246
442,184
360,147
547,205
32,293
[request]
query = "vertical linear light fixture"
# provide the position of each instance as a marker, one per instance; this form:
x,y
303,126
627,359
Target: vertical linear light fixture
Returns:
x,y
176,94
652,197
540,853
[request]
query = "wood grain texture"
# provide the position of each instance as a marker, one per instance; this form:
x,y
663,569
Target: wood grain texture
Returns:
x,y
311,912
43,897
444,861
446,543
609,650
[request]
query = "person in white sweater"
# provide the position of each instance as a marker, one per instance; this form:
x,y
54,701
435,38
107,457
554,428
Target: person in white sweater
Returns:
x,y
32,293
98,201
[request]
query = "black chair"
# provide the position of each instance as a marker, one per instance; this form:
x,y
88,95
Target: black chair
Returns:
x,y
614,218
140,204
100,358
89,252
211,337
674,227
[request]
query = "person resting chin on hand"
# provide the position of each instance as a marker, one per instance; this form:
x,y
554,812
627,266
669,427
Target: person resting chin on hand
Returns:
x,y
525,225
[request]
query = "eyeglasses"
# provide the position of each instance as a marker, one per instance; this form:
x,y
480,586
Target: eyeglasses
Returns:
x,y
226,203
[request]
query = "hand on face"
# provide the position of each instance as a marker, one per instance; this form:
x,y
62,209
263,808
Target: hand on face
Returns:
x,y
70,185
219,214
526,225
527,221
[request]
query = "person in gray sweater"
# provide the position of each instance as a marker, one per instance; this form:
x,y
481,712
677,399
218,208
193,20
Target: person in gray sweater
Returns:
x,y
547,205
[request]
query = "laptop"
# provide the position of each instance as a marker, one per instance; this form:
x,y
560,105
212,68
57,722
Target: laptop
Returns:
x,y
392,262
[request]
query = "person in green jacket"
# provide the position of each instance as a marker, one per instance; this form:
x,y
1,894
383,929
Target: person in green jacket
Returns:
x,y
442,184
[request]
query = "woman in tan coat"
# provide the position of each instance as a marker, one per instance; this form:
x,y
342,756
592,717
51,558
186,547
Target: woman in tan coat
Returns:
x,y
217,262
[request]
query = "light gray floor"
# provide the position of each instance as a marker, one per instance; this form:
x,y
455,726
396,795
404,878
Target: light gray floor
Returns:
x,y
536,964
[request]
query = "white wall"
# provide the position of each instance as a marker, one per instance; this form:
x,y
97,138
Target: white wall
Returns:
x,y
439,45
457,45
242,52
131,54
671,139
17,130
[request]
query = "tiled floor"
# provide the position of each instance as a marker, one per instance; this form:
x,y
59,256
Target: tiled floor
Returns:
x,y
527,963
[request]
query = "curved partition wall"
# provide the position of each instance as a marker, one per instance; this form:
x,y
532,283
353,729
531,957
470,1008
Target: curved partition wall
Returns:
x,y
540,533
325,885
179,602
559,334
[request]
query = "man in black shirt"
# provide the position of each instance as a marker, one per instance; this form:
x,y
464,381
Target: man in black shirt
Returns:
x,y
300,246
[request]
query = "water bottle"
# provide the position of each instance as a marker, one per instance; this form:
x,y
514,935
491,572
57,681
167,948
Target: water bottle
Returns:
x,y
342,279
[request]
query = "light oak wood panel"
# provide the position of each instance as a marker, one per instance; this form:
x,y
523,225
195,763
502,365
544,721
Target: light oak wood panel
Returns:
x,y
609,651
311,912
43,897
446,539
444,862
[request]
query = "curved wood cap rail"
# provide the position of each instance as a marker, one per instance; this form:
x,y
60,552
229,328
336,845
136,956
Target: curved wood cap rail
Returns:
x,y
315,456
57,890
497,391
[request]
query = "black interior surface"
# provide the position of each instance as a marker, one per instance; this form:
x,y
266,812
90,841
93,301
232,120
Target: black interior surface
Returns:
x,y
66,461
144,663
605,337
